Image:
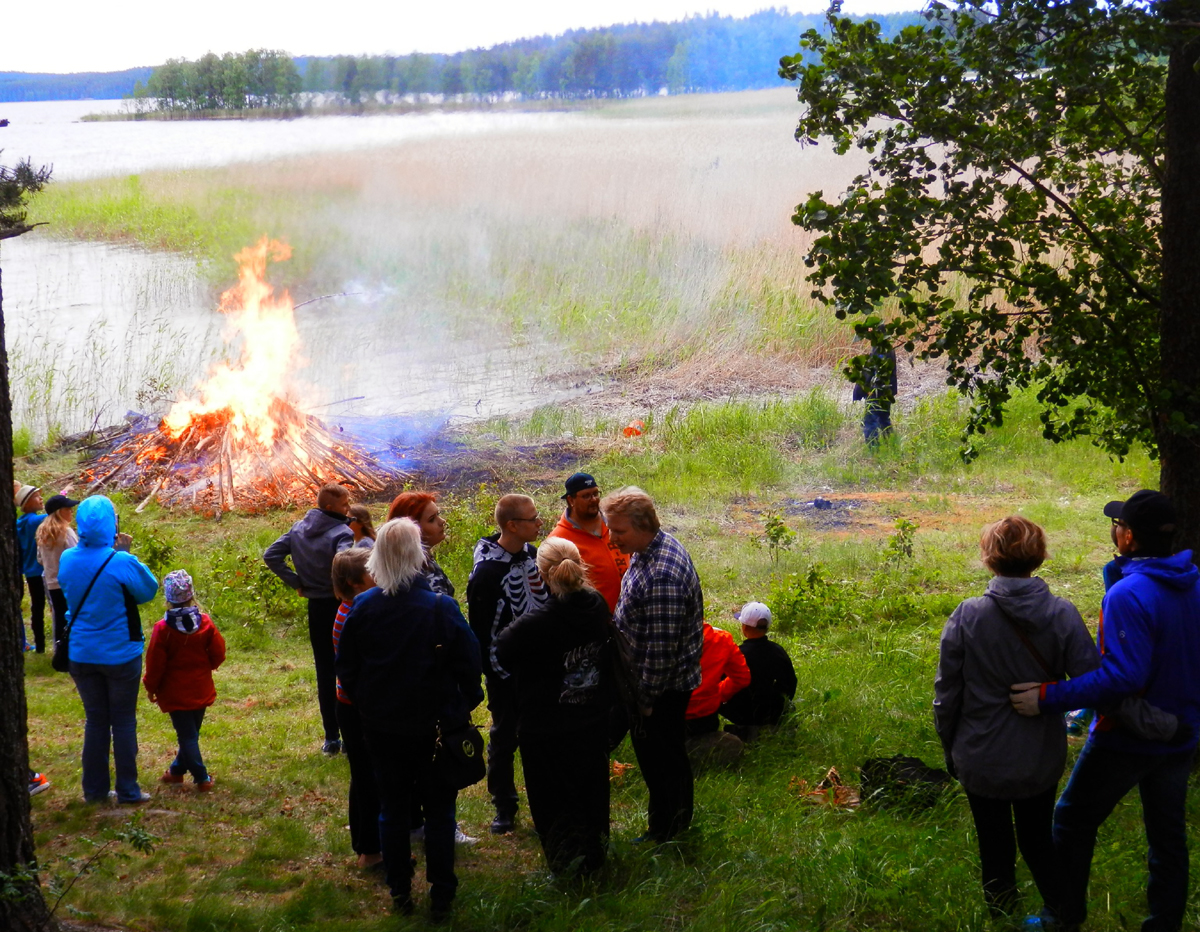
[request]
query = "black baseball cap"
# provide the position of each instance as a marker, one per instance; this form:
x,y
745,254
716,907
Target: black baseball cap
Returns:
x,y
55,502
578,482
1147,512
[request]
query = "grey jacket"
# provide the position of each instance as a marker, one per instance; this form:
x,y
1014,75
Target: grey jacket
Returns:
x,y
997,753
312,543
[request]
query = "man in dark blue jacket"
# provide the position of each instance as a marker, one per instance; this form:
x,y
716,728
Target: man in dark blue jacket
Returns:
x,y
1150,644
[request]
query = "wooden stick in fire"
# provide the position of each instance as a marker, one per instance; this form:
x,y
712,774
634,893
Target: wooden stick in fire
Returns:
x,y
166,473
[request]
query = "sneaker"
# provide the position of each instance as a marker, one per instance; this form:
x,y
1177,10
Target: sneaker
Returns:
x,y
142,797
38,784
169,777
332,747
503,824
205,785
461,838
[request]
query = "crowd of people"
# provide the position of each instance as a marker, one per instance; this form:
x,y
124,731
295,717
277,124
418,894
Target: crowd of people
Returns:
x,y
599,633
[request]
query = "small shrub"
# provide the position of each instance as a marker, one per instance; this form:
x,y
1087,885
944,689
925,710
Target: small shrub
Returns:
x,y
777,535
900,545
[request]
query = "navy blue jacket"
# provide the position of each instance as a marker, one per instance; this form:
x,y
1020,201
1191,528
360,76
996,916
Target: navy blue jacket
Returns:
x,y
1149,639
405,666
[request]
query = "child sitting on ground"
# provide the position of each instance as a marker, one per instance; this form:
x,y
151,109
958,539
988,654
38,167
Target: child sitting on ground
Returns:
x,y
185,648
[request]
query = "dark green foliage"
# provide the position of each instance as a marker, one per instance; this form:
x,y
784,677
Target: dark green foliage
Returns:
x,y
1011,209
16,184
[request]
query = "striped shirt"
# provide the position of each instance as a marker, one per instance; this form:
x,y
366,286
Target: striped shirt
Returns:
x,y
338,623
661,611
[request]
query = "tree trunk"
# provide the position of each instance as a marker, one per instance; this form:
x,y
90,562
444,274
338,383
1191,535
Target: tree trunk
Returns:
x,y
1179,327
25,910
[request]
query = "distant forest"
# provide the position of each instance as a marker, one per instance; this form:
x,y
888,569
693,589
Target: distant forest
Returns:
x,y
698,54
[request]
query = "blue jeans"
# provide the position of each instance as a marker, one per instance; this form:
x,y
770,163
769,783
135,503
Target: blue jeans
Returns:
x,y
403,766
187,732
1100,779
877,422
109,693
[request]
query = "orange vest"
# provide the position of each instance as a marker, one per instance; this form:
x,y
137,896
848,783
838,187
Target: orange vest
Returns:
x,y
605,563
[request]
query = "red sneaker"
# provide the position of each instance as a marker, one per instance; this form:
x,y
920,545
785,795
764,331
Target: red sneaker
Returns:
x,y
169,777
205,785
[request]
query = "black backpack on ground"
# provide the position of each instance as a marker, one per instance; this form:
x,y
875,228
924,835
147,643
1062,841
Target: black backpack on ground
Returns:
x,y
902,781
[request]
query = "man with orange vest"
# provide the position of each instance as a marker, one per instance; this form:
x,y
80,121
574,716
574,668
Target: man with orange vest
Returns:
x,y
584,526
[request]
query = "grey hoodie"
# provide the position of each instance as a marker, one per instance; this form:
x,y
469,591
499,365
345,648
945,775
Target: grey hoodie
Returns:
x,y
997,753
312,543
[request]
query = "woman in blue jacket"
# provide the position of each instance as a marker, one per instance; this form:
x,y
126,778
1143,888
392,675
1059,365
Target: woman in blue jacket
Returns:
x,y
105,647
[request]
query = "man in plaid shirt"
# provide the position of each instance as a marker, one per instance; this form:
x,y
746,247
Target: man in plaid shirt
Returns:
x,y
661,610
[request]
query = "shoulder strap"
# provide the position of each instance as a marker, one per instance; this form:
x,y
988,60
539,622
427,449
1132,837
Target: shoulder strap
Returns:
x,y
87,592
1037,655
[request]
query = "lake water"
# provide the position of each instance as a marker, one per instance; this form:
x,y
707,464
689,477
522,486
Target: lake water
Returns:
x,y
95,330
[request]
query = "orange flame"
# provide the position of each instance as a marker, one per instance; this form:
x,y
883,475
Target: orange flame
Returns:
x,y
267,324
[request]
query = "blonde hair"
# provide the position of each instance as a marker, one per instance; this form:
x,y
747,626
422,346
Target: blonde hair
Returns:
x,y
560,564
1013,546
349,570
508,507
53,531
634,504
397,557
362,515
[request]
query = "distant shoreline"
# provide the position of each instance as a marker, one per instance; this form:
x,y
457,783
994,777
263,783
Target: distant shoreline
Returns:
x,y
370,108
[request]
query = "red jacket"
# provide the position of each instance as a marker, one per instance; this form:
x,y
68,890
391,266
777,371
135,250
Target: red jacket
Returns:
x,y
179,666
723,672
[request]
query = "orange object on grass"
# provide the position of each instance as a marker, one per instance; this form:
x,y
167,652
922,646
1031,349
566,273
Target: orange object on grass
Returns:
x,y
634,428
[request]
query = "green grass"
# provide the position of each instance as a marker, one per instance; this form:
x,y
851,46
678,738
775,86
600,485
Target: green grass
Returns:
x,y
267,850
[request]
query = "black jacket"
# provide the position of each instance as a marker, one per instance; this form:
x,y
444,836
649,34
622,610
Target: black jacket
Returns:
x,y
772,678
560,655
406,664
502,586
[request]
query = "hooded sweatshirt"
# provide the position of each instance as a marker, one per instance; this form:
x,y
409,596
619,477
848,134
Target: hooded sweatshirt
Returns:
x,y
998,753
604,561
312,543
185,648
723,673
502,586
1149,639
27,525
100,632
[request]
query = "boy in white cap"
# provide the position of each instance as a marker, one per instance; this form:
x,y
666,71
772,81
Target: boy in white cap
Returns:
x,y
772,676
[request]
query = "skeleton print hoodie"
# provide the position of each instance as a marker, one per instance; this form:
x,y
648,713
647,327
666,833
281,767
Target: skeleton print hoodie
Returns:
x,y
503,586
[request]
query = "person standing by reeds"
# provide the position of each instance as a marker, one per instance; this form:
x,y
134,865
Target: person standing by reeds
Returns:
x,y
54,535
561,657
29,503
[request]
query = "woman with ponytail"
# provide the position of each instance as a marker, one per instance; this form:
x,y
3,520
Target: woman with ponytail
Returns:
x,y
560,657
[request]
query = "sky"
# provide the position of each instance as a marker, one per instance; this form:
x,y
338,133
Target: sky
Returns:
x,y
86,35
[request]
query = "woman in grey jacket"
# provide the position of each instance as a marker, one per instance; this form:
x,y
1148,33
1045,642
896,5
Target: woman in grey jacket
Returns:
x,y
1008,764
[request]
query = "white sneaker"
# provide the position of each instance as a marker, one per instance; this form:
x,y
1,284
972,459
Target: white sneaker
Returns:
x,y
460,838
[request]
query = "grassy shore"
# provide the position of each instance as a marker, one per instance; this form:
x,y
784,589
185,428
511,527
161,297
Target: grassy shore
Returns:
x,y
268,849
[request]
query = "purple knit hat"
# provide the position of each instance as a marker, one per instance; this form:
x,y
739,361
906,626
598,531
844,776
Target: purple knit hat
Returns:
x,y
177,587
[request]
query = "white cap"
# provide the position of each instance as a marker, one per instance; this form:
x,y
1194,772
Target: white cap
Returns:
x,y
754,615
24,493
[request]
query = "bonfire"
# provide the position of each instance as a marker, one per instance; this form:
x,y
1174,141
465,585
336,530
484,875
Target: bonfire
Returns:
x,y
238,442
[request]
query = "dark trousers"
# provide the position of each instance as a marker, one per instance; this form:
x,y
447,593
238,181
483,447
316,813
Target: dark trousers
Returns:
x,y
37,611
994,819
109,693
502,745
321,615
403,765
877,421
658,741
1100,779
566,780
364,795
58,612
187,731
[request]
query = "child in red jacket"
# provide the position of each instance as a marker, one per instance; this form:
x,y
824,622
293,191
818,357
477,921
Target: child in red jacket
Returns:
x,y
185,647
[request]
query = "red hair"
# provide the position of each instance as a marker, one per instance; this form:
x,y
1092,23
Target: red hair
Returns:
x,y
411,505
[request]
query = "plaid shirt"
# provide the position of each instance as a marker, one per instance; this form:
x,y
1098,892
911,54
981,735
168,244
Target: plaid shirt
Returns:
x,y
662,612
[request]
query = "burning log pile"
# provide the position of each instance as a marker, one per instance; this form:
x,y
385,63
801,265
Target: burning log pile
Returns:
x,y
239,444
213,468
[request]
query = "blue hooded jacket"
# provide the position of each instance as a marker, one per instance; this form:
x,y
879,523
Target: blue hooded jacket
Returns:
x,y
1149,640
100,634
27,526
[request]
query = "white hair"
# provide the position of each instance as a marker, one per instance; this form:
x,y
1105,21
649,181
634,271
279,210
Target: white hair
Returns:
x,y
397,557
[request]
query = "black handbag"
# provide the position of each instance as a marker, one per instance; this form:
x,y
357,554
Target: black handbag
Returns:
x,y
458,755
458,758
60,660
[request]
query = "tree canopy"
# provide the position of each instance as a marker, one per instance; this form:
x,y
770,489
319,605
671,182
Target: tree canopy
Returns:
x,y
1011,211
